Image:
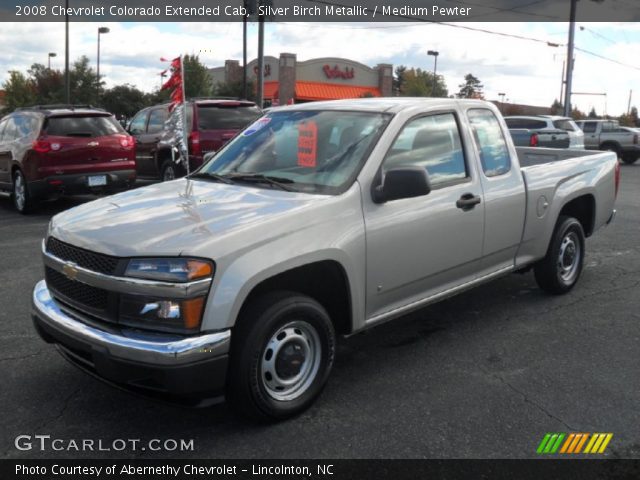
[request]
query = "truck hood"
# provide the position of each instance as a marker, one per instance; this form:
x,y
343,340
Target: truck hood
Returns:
x,y
171,218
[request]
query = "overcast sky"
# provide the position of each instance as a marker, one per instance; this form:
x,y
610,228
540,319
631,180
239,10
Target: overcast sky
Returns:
x,y
526,71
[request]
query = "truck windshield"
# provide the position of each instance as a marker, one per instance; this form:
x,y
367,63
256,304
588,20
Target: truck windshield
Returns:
x,y
309,151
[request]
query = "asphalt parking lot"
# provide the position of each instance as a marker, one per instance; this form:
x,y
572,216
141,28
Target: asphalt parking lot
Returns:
x,y
482,375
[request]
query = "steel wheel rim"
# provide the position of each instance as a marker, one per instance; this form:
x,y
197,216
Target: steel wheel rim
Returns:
x,y
294,346
569,257
169,173
19,191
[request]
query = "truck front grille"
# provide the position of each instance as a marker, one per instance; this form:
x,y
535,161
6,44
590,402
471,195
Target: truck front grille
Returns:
x,y
78,294
97,262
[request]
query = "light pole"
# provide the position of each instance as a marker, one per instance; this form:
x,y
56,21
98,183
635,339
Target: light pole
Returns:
x,y
51,54
101,30
162,75
501,95
434,54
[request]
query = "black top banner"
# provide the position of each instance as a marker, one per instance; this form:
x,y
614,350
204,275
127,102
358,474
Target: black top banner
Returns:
x,y
317,10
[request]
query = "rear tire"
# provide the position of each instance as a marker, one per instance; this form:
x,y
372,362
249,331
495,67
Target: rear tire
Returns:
x,y
611,147
21,197
559,271
168,171
282,351
629,160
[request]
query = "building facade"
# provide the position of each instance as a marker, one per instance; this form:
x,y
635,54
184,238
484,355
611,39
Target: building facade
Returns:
x,y
286,80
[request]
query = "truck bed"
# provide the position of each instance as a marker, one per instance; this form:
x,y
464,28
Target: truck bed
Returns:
x,y
554,177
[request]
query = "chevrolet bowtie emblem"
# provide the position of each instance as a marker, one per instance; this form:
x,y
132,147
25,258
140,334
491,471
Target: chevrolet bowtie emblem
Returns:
x,y
70,271
93,144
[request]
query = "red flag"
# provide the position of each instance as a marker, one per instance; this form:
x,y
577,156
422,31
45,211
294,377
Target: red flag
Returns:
x,y
174,82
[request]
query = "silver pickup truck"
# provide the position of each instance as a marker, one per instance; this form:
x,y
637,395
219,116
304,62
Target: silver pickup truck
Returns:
x,y
609,135
317,220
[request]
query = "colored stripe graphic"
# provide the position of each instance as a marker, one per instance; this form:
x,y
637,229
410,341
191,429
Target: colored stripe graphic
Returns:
x,y
550,443
572,443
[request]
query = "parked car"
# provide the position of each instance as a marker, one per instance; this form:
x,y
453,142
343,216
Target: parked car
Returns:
x,y
210,124
317,220
545,131
609,135
50,150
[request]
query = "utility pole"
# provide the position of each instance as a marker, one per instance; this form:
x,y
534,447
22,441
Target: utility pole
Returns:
x,y
67,80
629,104
569,73
244,56
434,54
260,76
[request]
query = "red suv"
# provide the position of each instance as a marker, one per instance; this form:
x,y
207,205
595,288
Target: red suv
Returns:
x,y
49,150
210,124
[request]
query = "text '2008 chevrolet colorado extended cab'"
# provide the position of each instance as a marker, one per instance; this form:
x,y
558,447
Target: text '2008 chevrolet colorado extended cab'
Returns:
x,y
316,220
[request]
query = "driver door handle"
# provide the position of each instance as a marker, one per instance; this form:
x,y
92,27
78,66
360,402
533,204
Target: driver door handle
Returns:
x,y
468,201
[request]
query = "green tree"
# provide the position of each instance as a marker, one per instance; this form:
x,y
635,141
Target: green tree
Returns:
x,y
419,83
83,82
398,79
634,116
234,89
592,113
124,100
556,108
19,91
471,88
48,84
196,77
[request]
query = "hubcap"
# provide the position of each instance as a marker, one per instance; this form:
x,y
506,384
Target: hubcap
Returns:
x,y
569,257
18,191
290,361
169,174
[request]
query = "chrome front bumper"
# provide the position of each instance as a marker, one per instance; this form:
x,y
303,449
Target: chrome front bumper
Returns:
x,y
151,349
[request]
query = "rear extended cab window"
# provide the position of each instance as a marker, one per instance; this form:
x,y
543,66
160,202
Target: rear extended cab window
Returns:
x,y
82,126
490,142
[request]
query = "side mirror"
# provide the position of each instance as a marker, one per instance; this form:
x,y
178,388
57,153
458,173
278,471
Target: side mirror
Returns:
x,y
402,182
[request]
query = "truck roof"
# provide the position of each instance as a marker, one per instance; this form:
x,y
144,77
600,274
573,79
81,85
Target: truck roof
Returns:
x,y
382,104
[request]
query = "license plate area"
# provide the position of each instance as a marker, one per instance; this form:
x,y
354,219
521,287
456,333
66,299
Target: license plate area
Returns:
x,y
97,180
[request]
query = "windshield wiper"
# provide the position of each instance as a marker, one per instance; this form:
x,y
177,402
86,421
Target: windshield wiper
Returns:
x,y
340,156
260,178
213,176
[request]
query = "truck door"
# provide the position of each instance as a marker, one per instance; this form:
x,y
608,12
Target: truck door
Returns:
x,y
591,134
504,191
138,129
417,247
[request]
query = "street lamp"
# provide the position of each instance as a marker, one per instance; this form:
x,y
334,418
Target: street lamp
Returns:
x,y
51,54
101,30
434,54
501,95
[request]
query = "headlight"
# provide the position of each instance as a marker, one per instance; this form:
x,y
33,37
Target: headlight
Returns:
x,y
179,270
170,315
165,314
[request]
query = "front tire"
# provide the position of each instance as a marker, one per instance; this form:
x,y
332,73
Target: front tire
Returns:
x,y
281,355
629,159
21,196
559,271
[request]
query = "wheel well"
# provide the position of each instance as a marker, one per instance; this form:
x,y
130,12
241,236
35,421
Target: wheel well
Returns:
x,y
614,145
325,281
582,209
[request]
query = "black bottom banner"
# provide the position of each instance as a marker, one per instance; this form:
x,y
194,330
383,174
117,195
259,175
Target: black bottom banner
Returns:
x,y
579,469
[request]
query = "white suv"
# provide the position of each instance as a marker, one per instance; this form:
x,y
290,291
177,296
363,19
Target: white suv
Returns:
x,y
576,136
